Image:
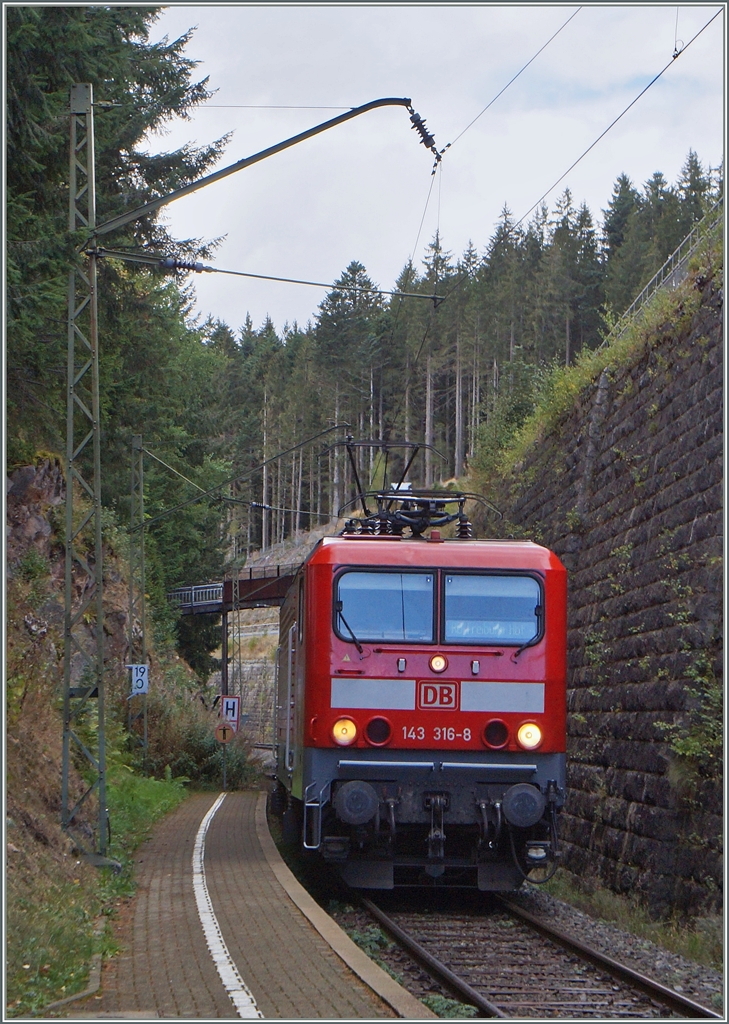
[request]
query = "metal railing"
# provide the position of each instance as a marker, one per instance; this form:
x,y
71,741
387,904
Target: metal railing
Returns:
x,y
211,593
673,271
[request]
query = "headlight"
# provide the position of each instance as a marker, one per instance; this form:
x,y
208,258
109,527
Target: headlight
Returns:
x,y
438,663
529,736
344,732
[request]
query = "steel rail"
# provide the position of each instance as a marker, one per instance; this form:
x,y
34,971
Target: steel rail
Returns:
x,y
661,993
443,973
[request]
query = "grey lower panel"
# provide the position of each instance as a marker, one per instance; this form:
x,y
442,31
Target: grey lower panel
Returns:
x,y
376,874
437,769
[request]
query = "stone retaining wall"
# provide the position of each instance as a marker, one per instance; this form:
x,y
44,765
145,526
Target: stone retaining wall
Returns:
x,y
628,492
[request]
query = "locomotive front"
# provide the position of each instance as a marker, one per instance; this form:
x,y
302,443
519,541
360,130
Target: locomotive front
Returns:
x,y
421,708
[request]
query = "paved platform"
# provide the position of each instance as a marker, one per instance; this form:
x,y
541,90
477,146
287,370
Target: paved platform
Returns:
x,y
293,960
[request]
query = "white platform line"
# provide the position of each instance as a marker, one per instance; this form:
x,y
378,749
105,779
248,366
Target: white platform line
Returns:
x,y
234,985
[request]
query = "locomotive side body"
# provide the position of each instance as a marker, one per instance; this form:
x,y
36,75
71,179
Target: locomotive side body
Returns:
x,y
421,699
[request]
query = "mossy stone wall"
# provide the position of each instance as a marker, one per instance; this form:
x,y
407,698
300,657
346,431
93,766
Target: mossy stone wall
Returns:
x,y
627,490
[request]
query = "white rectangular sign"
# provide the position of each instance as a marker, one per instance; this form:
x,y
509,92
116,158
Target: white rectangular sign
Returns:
x,y
140,679
231,710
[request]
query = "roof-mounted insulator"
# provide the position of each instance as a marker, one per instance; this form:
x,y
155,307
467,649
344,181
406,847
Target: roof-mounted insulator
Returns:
x,y
171,264
464,530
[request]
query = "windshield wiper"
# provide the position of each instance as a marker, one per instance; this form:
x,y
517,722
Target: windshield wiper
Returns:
x,y
349,629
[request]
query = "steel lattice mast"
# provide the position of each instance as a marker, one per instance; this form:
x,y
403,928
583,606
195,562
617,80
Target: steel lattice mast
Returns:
x,y
83,671
137,584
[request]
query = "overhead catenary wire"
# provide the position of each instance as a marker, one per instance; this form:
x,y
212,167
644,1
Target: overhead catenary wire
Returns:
x,y
270,106
676,48
677,53
171,469
461,277
422,219
171,263
239,477
439,164
512,80
331,287
279,508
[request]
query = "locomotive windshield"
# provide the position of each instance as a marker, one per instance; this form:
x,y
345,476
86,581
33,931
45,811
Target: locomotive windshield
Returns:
x,y
491,609
391,606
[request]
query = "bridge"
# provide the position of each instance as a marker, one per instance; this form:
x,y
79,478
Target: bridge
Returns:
x,y
258,587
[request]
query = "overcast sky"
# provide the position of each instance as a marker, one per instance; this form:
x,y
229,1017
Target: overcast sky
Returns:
x,y
358,191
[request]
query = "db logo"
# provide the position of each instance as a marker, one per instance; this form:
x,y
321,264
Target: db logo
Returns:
x,y
438,696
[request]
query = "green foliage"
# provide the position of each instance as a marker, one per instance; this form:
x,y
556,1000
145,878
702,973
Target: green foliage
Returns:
x,y
644,228
371,939
33,566
49,942
182,743
201,761
158,377
135,803
34,569
700,939
442,1006
197,635
699,744
212,403
512,404
374,942
50,935
48,49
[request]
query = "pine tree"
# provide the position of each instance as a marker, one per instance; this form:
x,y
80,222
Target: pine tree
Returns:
x,y
48,49
693,188
624,201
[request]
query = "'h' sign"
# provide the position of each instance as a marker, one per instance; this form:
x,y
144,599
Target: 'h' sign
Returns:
x,y
231,710
437,696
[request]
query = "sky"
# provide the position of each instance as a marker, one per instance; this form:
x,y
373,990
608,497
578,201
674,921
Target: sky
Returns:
x,y
359,191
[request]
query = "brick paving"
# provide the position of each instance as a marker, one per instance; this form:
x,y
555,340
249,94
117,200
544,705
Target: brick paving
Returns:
x,y
164,967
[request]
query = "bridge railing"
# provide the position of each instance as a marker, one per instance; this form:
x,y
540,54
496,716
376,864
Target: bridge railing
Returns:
x,y
210,593
673,271
213,593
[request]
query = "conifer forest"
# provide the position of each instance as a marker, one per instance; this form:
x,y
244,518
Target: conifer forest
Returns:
x,y
215,401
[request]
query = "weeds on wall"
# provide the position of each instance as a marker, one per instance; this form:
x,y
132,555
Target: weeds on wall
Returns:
x,y
698,746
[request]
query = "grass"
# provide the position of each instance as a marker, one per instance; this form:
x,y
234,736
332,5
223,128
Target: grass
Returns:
x,y
49,935
560,389
135,803
449,1008
53,901
701,941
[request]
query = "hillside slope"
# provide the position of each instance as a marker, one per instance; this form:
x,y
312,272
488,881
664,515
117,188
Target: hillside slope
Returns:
x,y
52,894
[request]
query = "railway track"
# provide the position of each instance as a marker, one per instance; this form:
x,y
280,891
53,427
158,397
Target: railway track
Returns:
x,y
508,964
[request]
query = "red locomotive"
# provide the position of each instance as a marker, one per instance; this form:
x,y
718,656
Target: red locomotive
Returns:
x,y
421,699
